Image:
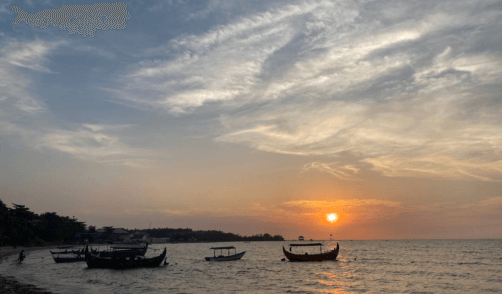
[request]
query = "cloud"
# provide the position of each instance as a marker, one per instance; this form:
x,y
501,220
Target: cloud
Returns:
x,y
93,143
342,172
435,166
493,202
17,103
223,65
322,78
377,96
14,86
19,107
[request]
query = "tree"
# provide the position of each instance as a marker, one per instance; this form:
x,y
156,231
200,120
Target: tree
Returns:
x,y
4,223
108,232
22,222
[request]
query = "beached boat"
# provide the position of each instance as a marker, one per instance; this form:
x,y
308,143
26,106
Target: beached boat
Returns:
x,y
329,255
228,257
122,251
132,261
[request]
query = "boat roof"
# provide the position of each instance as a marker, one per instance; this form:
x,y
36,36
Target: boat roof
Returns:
x,y
228,247
128,247
310,244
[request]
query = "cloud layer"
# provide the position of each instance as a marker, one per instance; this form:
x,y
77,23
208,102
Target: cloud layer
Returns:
x,y
402,86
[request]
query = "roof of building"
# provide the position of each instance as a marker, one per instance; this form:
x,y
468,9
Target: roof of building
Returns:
x,y
119,231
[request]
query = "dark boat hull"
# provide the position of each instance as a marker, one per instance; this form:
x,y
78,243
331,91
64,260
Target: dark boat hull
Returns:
x,y
69,259
331,255
123,263
68,256
226,258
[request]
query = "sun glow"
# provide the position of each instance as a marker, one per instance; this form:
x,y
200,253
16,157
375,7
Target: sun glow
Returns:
x,y
332,217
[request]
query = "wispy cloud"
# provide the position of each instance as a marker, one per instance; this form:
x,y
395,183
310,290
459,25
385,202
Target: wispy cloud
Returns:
x,y
321,78
342,172
18,105
436,166
14,94
93,143
226,63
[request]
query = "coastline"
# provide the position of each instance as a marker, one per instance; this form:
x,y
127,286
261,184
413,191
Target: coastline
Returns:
x,y
9,284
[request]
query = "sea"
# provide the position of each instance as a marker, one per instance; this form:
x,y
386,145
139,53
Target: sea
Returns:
x,y
383,266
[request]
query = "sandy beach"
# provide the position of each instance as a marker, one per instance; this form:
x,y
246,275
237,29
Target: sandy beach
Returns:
x,y
8,284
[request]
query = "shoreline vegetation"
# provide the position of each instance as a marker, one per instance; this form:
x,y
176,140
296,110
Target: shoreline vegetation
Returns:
x,y
21,227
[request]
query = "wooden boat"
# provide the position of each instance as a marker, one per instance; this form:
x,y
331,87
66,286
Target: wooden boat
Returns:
x,y
228,257
68,250
122,251
65,256
133,261
329,255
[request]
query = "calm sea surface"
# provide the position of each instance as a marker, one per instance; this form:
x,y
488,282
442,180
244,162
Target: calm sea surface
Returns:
x,y
405,266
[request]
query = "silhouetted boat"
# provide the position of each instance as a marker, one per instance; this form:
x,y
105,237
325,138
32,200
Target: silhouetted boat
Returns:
x,y
221,257
68,250
329,255
132,261
65,256
122,251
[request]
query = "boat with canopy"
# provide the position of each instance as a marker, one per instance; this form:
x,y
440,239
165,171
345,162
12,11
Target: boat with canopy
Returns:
x,y
227,257
121,250
69,254
321,256
123,262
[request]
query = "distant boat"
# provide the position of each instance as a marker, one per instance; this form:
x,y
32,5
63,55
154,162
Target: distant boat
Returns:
x,y
301,238
329,255
133,261
228,257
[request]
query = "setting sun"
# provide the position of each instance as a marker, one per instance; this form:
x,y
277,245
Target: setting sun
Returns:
x,y
332,217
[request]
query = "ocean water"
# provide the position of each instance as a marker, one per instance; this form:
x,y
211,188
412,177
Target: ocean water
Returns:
x,y
394,266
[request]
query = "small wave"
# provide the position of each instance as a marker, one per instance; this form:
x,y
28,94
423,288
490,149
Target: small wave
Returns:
x,y
469,263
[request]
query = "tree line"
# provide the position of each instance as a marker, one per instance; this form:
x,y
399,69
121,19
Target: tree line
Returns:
x,y
20,226
181,235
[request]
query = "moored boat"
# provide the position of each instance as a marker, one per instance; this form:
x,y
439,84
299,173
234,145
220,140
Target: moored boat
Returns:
x,y
227,257
321,256
122,251
68,254
132,261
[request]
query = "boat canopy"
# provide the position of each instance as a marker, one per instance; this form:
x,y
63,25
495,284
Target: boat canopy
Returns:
x,y
311,244
229,247
130,247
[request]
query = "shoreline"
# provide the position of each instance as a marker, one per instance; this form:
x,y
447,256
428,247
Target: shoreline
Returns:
x,y
9,284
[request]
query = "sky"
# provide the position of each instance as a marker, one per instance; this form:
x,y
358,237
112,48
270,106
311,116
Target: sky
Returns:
x,y
257,117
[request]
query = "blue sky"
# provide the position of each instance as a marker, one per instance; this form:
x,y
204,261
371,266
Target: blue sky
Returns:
x,y
255,116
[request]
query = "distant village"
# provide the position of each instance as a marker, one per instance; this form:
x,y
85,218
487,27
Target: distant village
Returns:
x,y
165,235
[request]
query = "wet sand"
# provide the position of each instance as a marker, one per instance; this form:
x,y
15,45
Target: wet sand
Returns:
x,y
8,284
